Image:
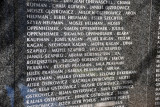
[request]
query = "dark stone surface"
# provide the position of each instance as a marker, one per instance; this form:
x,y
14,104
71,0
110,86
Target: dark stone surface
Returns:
x,y
143,27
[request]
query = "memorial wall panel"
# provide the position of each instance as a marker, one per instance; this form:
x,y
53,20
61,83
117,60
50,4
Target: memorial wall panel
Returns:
x,y
81,53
